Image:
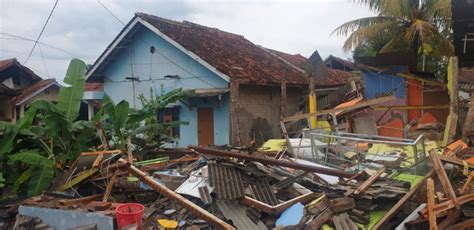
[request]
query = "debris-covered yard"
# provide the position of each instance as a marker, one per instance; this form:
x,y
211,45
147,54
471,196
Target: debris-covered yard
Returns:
x,y
178,125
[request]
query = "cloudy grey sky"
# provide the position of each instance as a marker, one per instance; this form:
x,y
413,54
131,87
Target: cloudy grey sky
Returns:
x,y
83,28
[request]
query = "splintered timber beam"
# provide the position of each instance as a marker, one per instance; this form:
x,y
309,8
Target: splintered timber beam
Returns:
x,y
431,202
455,161
364,186
402,201
270,161
356,106
81,200
277,209
443,177
413,107
449,204
196,210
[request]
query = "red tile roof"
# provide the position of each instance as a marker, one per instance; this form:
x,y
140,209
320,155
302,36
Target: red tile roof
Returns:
x,y
7,63
32,89
229,53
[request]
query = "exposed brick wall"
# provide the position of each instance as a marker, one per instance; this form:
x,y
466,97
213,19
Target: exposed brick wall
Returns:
x,y
259,111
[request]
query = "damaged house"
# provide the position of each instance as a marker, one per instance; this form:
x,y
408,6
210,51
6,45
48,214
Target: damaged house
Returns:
x,y
242,89
19,86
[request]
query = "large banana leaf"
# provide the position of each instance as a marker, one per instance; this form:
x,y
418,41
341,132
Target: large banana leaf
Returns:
x,y
22,178
10,131
40,179
69,98
31,157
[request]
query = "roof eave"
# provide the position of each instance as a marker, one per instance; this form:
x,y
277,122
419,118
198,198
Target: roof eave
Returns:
x,y
184,50
128,28
22,101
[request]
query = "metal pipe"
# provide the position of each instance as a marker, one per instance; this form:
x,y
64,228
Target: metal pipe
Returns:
x,y
372,136
196,210
360,139
270,161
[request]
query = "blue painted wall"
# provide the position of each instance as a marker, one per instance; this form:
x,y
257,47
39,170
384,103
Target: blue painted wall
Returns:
x,y
377,83
150,69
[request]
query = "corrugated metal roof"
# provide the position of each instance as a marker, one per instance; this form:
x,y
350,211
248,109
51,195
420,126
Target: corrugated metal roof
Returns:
x,y
315,66
236,212
205,195
226,180
262,191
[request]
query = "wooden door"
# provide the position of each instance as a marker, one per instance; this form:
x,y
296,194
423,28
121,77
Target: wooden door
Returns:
x,y
205,126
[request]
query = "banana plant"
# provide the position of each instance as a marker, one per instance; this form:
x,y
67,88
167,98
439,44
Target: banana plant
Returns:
x,y
121,122
32,152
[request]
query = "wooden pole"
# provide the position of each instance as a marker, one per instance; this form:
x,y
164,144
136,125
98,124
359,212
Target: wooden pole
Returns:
x,y
430,203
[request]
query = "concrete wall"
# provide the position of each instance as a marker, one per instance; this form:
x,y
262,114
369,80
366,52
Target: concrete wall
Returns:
x,y
151,69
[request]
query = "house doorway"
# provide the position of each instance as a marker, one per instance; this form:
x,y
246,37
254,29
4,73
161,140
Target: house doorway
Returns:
x,y
205,126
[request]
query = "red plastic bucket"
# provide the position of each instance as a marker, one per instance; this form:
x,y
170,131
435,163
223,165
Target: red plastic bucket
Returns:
x,y
129,214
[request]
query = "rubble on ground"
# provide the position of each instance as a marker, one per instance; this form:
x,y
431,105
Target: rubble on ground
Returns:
x,y
228,188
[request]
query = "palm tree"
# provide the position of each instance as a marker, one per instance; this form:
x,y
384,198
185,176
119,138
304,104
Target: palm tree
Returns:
x,y
421,26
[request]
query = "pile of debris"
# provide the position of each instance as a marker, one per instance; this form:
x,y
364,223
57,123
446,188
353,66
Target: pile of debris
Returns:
x,y
228,188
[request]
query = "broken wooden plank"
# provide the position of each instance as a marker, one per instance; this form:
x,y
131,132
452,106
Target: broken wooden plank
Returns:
x,y
190,206
364,186
455,161
402,201
271,161
467,184
277,209
447,205
443,177
109,187
412,107
129,150
98,160
81,200
467,224
330,111
342,204
430,203
95,153
343,222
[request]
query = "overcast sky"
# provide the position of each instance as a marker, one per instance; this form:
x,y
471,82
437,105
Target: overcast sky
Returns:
x,y
83,28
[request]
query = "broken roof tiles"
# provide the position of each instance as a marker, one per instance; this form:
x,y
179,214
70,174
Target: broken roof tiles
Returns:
x,y
229,53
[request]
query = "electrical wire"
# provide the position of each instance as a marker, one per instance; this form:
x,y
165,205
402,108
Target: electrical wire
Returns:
x,y
44,62
41,32
156,50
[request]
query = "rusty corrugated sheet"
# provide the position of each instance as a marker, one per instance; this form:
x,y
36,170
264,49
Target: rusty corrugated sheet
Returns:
x,y
263,192
236,212
226,180
315,66
205,195
335,97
